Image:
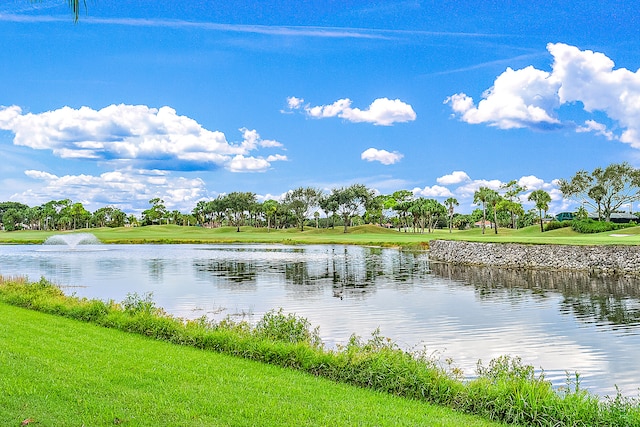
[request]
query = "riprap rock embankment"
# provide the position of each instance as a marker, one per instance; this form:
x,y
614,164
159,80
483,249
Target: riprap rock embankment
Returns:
x,y
603,259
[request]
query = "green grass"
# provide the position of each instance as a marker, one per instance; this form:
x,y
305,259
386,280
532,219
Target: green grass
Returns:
x,y
360,235
60,372
505,390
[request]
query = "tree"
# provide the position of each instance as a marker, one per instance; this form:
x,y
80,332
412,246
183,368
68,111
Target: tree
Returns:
x,y
269,207
350,200
374,209
483,195
330,206
156,213
400,202
238,203
74,5
512,194
541,198
302,201
450,203
109,216
493,198
605,190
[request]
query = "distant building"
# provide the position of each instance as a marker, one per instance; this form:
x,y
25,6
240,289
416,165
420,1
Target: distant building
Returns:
x,y
564,216
618,217
487,224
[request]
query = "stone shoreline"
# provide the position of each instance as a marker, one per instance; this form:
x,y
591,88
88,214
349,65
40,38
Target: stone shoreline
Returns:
x,y
599,260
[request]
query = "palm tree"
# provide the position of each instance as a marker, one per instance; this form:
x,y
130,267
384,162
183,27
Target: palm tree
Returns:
x,y
482,195
493,199
270,207
450,203
74,5
541,199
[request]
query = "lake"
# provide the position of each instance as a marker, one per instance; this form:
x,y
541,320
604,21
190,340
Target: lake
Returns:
x,y
560,322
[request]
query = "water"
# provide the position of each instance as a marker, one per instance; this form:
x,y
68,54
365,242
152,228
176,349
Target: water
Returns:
x,y
559,322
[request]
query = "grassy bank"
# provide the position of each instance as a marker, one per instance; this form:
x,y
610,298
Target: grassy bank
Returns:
x,y
60,372
505,390
360,235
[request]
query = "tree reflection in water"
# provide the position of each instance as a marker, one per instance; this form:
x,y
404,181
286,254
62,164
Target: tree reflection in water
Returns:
x,y
603,300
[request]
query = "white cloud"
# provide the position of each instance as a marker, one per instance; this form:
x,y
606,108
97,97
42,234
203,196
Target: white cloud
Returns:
x,y
382,111
597,128
518,98
471,187
530,97
455,177
433,191
127,189
382,156
133,136
294,103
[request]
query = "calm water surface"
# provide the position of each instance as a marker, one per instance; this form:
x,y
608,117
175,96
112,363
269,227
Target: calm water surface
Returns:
x,y
559,322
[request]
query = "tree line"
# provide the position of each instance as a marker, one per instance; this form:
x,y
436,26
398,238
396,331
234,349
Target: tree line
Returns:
x,y
605,190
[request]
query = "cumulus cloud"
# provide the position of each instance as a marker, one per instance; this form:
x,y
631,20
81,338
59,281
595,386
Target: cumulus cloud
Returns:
x,y
134,136
531,98
127,189
433,191
455,177
294,103
381,112
466,190
382,156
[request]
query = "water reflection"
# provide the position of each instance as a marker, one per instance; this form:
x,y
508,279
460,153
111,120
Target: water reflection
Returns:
x,y
603,300
558,321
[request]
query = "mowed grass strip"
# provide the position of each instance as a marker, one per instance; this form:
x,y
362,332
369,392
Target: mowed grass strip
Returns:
x,y
359,235
60,372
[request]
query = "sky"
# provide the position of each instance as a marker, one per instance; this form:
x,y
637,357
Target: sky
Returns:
x,y
187,102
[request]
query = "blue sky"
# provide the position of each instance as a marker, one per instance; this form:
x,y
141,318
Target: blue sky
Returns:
x,y
156,99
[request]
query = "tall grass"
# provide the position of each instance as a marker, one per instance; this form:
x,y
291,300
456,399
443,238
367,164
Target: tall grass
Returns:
x,y
505,390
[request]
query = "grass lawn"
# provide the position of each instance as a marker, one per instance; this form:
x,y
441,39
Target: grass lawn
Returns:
x,y
361,235
60,372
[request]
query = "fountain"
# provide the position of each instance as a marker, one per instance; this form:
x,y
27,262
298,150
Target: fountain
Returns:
x,y
72,240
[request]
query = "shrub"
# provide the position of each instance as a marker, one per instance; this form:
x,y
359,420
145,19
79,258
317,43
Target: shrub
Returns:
x,y
554,225
591,226
277,326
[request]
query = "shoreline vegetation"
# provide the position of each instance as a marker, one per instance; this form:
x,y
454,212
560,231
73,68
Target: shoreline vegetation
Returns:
x,y
358,235
504,390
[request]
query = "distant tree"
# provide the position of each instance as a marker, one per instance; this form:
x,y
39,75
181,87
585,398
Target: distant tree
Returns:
x,y
451,203
238,204
513,209
605,190
330,207
400,202
12,218
461,222
109,216
350,200
13,214
493,198
512,194
77,215
374,208
270,208
483,195
199,212
302,201
156,213
132,220
541,198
